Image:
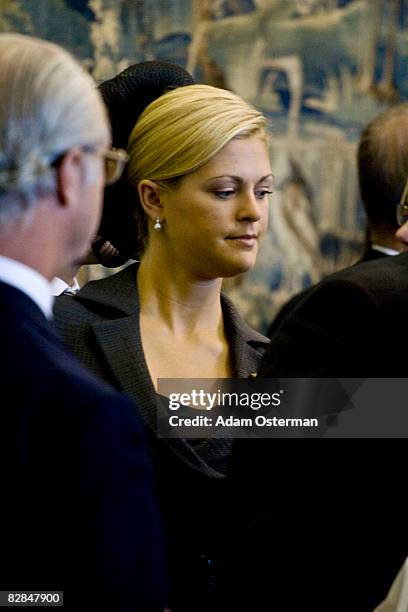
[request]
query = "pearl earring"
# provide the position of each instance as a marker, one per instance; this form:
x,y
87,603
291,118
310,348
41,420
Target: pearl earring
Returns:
x,y
158,225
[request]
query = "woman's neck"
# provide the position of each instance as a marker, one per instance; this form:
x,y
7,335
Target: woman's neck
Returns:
x,y
185,305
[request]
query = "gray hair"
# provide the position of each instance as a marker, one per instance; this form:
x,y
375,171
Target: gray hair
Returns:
x,y
48,104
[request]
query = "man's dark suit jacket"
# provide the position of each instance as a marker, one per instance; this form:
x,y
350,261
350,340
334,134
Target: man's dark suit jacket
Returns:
x,y
348,325
335,523
369,255
77,511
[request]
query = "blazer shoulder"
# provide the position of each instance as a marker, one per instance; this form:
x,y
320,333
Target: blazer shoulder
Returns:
x,y
75,320
99,300
372,273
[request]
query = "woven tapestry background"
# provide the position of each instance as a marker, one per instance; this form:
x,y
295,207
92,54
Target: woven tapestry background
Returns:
x,y
319,69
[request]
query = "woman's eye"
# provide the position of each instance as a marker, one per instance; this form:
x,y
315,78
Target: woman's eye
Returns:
x,y
224,194
262,193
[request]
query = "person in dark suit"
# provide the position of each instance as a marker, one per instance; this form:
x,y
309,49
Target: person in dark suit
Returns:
x,y
77,511
347,494
382,160
199,177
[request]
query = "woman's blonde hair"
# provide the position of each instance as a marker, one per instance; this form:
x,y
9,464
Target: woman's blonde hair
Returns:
x,y
182,130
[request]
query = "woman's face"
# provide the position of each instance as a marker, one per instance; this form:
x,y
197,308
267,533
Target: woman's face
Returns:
x,y
215,218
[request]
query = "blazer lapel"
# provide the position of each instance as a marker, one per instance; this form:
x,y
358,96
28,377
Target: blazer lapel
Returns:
x,y
119,340
118,337
247,345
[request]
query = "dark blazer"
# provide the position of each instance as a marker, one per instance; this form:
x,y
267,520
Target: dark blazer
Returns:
x,y
346,326
77,510
101,325
287,308
341,507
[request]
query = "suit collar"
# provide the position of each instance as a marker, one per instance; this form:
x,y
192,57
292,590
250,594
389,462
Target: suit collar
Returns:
x,y
120,341
18,306
119,292
118,337
29,281
247,345
371,254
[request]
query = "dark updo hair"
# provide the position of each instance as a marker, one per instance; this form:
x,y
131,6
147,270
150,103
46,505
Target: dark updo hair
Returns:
x,y
126,96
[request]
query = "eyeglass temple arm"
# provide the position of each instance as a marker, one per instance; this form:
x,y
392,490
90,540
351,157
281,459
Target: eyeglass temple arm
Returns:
x,y
404,196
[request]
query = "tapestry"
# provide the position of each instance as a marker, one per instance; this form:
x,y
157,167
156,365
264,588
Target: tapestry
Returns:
x,y
318,69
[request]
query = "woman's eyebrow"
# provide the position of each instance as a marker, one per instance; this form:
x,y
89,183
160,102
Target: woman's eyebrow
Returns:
x,y
238,178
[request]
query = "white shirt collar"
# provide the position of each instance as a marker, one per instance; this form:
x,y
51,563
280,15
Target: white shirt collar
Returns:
x,y
385,250
58,286
29,281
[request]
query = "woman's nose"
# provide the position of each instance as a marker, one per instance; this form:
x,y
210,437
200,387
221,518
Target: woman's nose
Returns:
x,y
250,208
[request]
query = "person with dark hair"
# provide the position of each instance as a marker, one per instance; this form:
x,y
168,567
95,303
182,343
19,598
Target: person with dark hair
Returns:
x,y
382,159
194,211
347,493
382,168
126,96
77,512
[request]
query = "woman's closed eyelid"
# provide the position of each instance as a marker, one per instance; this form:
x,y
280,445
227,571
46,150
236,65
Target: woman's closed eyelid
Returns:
x,y
261,194
224,193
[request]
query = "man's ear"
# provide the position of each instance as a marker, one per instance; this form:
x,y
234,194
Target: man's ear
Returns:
x,y
69,176
150,196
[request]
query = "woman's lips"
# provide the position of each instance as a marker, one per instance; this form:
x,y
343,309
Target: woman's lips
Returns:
x,y
246,240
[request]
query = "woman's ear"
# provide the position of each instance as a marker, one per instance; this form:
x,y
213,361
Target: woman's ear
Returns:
x,y
150,198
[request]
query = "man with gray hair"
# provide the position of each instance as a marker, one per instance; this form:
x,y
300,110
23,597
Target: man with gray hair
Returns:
x,y
77,512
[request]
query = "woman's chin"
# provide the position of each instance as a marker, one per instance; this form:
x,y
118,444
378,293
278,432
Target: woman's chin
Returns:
x,y
224,267
236,267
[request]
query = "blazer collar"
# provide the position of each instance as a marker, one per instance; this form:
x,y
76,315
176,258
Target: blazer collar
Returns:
x,y
119,292
247,345
119,338
16,305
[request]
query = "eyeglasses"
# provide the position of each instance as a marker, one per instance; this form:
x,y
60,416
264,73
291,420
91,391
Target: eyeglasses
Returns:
x,y
402,207
115,161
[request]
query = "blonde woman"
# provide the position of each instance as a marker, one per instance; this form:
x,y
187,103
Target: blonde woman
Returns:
x,y
200,176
